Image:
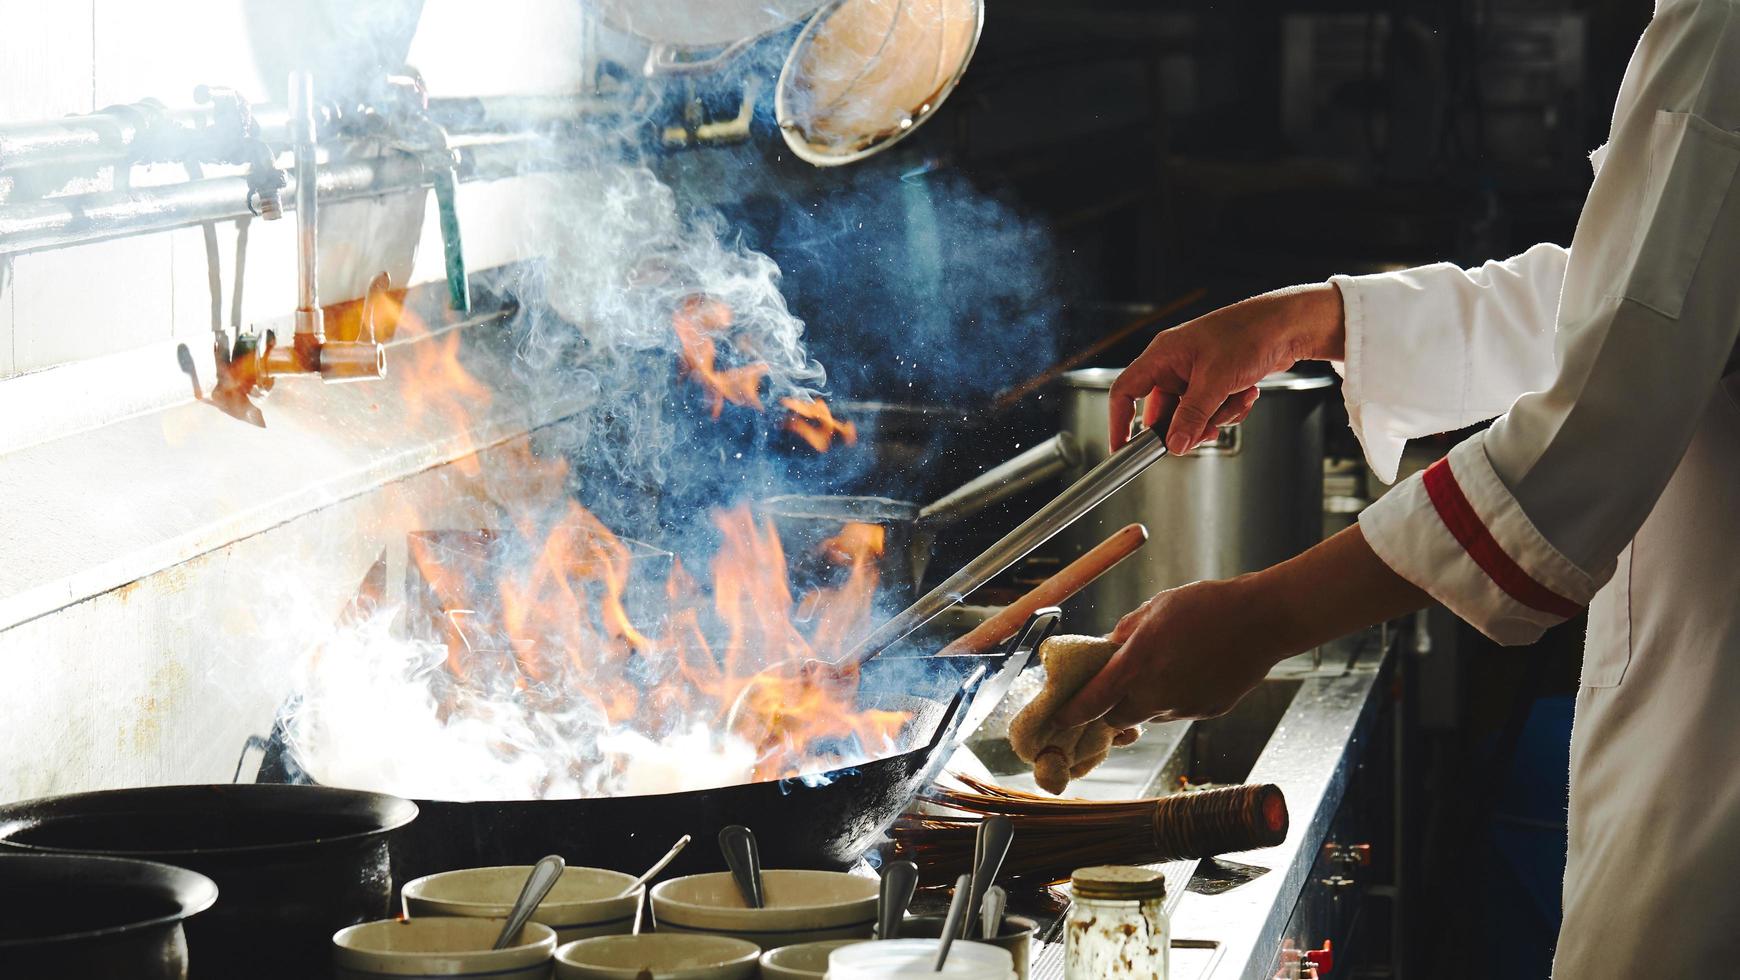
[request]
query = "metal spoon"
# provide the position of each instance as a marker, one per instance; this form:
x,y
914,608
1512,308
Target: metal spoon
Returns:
x,y
538,884
973,870
952,924
744,858
998,832
899,880
659,865
991,913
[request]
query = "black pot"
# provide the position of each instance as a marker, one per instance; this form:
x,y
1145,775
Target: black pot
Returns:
x,y
294,864
75,916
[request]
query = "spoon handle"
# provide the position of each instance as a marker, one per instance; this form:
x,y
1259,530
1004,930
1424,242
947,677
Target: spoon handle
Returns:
x,y
952,925
997,832
744,859
538,884
899,881
659,865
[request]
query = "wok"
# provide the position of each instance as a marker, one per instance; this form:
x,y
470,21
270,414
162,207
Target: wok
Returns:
x,y
806,523
826,821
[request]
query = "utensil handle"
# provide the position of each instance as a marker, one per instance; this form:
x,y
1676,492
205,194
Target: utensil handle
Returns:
x,y
1004,480
738,845
1072,578
1082,496
991,847
952,924
538,885
899,881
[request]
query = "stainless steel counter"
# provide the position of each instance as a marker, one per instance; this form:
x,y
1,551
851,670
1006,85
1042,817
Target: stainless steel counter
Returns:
x,y
1305,729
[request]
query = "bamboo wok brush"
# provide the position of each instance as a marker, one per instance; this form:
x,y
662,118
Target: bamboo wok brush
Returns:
x,y
1054,837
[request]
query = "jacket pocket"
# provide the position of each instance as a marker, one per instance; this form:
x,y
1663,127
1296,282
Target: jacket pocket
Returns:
x,y
1607,647
1692,164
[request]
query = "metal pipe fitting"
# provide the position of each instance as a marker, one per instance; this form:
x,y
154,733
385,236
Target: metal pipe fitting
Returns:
x,y
302,134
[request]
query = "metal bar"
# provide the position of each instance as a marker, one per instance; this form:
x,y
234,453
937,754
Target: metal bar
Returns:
x,y
111,136
1070,506
62,222
307,203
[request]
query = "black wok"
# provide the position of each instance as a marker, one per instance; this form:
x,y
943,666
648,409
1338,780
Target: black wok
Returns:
x,y
824,821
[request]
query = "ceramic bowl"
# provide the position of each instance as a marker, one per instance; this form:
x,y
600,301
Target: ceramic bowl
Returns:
x,y
582,904
802,906
1016,936
804,961
674,956
441,946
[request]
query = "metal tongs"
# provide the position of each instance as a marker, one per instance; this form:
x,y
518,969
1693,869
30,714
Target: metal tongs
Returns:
x,y
1069,506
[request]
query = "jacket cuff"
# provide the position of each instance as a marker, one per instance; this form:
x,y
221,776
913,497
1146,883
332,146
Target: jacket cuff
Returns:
x,y
1383,451
1456,532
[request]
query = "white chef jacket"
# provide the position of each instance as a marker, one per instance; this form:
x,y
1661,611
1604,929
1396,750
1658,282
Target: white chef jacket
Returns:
x,y
1611,479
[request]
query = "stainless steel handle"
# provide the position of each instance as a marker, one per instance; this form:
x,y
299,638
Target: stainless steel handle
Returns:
x,y
1229,441
1080,497
1041,462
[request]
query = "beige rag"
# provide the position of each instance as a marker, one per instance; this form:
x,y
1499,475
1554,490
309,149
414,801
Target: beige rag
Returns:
x,y
1060,754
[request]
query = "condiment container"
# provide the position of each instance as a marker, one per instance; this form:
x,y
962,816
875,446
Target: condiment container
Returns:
x,y
915,959
1117,925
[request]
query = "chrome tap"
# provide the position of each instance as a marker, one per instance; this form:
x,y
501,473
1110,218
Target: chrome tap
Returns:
x,y
303,139
309,351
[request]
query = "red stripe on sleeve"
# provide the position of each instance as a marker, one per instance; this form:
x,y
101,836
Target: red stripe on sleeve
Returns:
x,y
1465,525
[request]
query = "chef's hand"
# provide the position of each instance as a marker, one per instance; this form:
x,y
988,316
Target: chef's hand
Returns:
x,y
1193,652
1186,653
1203,374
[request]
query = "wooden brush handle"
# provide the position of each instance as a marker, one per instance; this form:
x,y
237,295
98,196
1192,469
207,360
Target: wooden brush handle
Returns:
x,y
1218,821
1066,582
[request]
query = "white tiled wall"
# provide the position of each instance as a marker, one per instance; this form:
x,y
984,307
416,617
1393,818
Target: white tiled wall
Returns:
x,y
73,56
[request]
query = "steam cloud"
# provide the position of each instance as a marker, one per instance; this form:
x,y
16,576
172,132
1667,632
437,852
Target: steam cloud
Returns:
x,y
929,291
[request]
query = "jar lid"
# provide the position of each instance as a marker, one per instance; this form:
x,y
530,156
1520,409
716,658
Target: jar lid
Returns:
x,y
1118,883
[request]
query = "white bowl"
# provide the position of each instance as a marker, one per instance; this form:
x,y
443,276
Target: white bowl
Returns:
x,y
441,947
804,961
582,904
669,957
802,906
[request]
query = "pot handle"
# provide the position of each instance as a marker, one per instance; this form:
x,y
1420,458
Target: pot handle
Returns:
x,y
1041,462
255,743
663,59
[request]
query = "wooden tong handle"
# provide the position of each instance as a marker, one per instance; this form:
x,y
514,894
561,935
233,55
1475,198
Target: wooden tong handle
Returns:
x,y
1069,580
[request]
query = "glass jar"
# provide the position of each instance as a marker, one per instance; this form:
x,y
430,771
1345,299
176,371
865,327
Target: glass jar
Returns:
x,y
1117,925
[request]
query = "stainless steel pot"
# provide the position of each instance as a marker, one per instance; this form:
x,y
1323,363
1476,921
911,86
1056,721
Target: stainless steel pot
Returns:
x,y
1249,499
807,523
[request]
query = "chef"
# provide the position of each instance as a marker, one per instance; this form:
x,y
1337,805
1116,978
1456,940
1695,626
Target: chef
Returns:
x,y
1608,480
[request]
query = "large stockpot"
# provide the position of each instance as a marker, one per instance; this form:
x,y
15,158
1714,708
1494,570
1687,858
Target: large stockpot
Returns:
x,y
1249,499
66,915
293,864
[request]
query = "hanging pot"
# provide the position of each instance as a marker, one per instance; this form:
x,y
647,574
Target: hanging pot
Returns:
x,y
681,31
865,74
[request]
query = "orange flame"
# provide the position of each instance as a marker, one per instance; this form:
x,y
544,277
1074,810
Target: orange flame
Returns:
x,y
697,322
815,424
553,628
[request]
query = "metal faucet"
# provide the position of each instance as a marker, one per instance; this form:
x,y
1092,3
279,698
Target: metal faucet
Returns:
x,y
309,351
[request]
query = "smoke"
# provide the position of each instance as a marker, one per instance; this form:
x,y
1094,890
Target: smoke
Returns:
x,y
679,326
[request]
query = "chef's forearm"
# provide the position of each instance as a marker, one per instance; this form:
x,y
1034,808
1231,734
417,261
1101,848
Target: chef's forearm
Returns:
x,y
1335,588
